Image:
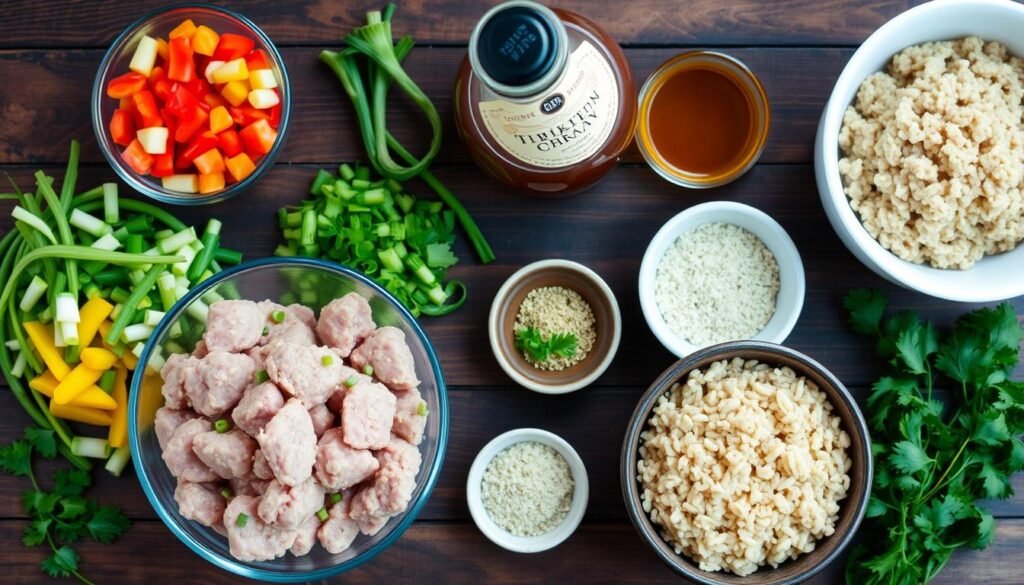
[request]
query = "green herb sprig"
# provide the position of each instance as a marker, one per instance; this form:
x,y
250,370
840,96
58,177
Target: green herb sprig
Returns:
x,y
934,459
62,516
530,341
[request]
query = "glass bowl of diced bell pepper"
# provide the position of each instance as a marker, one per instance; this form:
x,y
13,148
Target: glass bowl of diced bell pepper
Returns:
x,y
191,104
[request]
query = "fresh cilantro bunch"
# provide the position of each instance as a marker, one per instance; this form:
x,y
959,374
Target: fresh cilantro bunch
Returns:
x,y
62,516
935,458
530,341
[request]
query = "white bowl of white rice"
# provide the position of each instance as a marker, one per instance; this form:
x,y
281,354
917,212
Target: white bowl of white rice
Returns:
x,y
527,490
717,272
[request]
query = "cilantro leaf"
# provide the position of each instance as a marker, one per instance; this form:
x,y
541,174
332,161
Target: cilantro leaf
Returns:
x,y
876,507
866,307
986,531
563,344
71,482
35,532
42,440
16,458
992,429
960,357
71,507
995,483
530,341
909,457
914,345
62,562
107,523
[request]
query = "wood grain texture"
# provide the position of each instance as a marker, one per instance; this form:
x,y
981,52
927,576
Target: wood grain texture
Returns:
x,y
798,82
734,22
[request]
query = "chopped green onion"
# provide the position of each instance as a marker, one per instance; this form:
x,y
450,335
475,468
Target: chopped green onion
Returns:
x,y
19,365
241,520
421,409
137,332
226,493
165,285
118,461
106,382
198,310
226,256
266,330
221,425
277,316
322,514
153,318
368,370
326,360
261,376
335,498
111,213
72,354
210,242
141,289
34,292
90,447
21,214
177,241
107,242
89,224
66,309
351,381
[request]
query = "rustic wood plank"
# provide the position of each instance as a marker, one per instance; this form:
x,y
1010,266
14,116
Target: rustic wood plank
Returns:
x,y
620,216
39,112
740,22
458,553
593,421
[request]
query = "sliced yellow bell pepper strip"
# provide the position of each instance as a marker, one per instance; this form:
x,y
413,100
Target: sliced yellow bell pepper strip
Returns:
x,y
118,435
97,358
75,383
130,360
93,397
92,315
82,414
42,339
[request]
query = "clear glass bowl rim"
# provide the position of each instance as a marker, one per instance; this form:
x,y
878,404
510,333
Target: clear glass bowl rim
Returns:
x,y
228,563
99,125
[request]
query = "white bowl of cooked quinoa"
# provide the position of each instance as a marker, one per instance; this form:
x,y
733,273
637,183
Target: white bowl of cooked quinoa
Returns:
x,y
720,271
920,166
527,490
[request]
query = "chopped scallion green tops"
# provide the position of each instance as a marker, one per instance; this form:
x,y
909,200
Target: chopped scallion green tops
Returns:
x,y
351,381
261,376
326,360
241,520
221,425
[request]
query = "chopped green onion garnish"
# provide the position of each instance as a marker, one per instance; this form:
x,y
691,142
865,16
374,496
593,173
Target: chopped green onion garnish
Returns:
x,y
106,382
368,370
335,498
221,425
322,514
226,493
277,316
326,360
266,330
351,381
261,376
241,520
421,409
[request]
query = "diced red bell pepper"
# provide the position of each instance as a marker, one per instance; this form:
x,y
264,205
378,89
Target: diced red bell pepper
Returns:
x,y
156,75
163,89
181,66
257,59
258,138
189,124
213,100
122,127
201,143
198,87
147,113
136,158
232,46
163,165
182,101
126,85
229,143
245,114
275,116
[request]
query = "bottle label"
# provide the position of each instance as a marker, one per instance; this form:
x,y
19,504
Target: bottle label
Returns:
x,y
569,123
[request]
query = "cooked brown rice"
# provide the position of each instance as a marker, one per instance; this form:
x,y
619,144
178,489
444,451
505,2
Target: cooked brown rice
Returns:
x,y
743,465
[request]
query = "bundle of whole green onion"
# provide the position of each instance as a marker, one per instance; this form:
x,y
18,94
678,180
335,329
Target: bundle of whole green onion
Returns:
x,y
378,229
374,42
65,270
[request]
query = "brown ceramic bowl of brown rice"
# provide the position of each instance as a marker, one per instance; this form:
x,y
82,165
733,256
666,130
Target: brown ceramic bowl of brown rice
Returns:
x,y
747,463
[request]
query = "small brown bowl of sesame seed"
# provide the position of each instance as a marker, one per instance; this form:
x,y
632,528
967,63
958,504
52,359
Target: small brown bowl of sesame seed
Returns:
x,y
554,326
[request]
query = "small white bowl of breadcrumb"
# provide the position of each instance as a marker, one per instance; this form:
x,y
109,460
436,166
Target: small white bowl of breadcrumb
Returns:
x,y
527,490
717,272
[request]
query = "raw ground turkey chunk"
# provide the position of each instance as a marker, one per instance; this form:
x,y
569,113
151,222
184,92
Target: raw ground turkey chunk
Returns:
x,y
261,370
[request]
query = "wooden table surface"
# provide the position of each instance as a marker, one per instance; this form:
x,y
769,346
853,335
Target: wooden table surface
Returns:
x,y
49,53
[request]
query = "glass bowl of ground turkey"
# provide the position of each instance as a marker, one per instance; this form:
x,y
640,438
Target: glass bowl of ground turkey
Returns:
x,y
718,272
554,326
527,490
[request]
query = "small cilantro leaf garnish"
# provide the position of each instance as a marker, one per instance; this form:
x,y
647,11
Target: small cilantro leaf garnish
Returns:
x,y
531,342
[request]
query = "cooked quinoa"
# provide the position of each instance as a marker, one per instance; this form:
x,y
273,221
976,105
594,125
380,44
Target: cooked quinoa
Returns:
x,y
527,489
934,153
716,283
743,465
556,309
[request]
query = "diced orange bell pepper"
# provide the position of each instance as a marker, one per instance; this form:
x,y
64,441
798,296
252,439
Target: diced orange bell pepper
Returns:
x,y
211,183
181,66
146,110
136,158
258,138
232,46
220,119
205,40
229,142
214,100
240,166
122,127
125,85
184,30
210,161
257,59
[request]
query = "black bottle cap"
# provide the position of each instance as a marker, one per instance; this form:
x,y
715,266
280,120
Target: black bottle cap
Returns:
x,y
518,45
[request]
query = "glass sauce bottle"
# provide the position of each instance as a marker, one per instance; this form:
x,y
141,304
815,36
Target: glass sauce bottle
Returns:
x,y
544,100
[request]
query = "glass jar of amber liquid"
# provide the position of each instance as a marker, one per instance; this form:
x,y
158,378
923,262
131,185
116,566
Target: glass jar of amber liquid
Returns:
x,y
544,100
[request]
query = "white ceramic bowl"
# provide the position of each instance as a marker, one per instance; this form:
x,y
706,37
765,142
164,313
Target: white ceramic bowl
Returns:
x,y
994,277
788,303
500,536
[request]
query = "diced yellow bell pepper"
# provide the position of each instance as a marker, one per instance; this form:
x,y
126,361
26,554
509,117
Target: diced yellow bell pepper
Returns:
x,y
204,41
262,79
41,337
234,70
92,315
93,397
91,416
220,119
97,358
186,29
163,50
118,435
130,360
75,383
211,183
235,92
